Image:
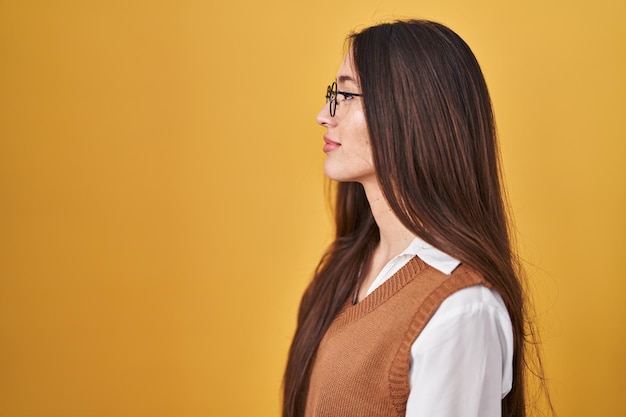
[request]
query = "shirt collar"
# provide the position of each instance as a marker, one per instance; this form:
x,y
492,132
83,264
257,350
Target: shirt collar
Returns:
x,y
432,256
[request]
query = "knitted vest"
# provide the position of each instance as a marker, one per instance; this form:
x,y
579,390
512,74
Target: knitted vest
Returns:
x,y
362,363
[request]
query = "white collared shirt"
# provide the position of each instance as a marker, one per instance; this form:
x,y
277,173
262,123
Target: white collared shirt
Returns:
x,y
462,362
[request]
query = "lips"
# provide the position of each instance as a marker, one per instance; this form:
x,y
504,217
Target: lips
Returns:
x,y
330,145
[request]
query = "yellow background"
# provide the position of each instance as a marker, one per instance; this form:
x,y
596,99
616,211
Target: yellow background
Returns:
x,y
162,197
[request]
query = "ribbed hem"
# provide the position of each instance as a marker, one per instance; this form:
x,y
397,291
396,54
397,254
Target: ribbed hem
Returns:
x,y
398,381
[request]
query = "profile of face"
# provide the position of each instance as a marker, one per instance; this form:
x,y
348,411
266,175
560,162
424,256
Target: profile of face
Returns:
x,y
346,142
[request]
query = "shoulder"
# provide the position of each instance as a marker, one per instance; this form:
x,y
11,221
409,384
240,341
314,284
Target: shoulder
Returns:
x,y
464,352
471,298
470,292
472,310
476,301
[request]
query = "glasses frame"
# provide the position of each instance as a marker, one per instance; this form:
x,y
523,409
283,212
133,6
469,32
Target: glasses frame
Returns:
x,y
331,97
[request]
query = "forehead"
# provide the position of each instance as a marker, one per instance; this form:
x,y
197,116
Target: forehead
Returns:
x,y
346,76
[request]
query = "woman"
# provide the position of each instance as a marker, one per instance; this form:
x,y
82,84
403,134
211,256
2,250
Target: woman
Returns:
x,y
416,309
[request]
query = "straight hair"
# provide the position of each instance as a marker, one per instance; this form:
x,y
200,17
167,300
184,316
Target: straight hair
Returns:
x,y
436,157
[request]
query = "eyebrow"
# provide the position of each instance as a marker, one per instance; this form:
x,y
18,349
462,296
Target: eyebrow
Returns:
x,y
345,78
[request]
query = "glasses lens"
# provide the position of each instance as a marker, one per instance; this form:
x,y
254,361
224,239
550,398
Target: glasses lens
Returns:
x,y
331,96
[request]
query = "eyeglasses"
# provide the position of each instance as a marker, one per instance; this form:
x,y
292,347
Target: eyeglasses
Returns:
x,y
331,97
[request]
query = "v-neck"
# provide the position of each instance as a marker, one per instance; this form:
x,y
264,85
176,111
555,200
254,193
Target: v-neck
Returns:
x,y
395,283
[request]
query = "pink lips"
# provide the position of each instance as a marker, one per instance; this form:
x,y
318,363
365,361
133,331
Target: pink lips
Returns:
x,y
330,145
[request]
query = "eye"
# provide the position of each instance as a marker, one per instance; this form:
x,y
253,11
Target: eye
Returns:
x,y
346,96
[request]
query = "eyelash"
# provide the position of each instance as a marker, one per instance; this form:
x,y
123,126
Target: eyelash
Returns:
x,y
346,96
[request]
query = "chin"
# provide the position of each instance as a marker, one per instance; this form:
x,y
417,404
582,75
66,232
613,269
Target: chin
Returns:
x,y
336,173
343,176
341,172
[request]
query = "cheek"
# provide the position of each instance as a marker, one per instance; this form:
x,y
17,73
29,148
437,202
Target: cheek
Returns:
x,y
364,138
358,126
367,153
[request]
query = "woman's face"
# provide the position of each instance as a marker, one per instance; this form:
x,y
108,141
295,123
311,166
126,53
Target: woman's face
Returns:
x,y
347,143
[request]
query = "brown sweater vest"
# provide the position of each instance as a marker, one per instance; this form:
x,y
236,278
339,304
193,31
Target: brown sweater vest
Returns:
x,y
362,363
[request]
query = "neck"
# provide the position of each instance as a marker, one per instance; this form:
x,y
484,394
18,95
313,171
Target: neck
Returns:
x,y
394,236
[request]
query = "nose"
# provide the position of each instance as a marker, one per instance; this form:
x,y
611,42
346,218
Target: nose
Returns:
x,y
323,117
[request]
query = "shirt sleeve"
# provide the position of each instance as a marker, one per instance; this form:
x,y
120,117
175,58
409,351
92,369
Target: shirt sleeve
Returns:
x,y
461,363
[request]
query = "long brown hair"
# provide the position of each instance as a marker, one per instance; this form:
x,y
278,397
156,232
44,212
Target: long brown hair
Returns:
x,y
435,152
